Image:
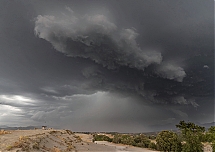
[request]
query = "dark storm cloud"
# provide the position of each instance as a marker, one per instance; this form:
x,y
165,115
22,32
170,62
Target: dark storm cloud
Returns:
x,y
97,38
127,67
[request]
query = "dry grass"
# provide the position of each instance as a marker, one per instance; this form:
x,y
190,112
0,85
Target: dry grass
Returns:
x,y
3,132
55,149
23,143
36,146
78,138
69,132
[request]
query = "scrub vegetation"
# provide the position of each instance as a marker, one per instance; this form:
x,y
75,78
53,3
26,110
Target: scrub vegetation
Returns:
x,y
189,138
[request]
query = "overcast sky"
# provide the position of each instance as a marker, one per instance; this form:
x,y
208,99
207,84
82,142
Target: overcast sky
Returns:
x,y
106,65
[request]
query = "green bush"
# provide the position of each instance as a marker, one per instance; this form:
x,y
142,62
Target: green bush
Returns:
x,y
102,138
152,146
168,141
210,136
213,145
152,137
116,139
134,140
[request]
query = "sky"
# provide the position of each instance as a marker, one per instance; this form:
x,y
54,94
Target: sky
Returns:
x,y
125,66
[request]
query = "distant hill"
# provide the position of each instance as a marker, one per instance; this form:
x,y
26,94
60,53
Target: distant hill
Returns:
x,y
19,128
3,126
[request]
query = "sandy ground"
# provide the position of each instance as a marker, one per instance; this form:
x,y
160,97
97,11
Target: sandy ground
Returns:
x,y
207,147
59,141
56,141
116,147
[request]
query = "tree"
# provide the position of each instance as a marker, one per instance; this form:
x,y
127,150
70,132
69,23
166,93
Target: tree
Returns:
x,y
211,129
192,135
213,145
210,136
168,141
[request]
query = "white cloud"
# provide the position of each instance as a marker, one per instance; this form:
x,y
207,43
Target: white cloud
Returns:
x,y
10,114
94,96
15,110
69,9
49,90
16,99
206,66
172,72
9,109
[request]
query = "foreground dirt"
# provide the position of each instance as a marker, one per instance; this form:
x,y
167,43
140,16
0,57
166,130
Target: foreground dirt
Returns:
x,y
61,141
56,141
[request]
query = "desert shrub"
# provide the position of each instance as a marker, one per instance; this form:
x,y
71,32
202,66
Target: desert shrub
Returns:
x,y
69,132
116,139
102,138
127,139
142,141
134,140
106,138
152,137
3,132
78,138
36,146
152,146
168,141
8,148
137,139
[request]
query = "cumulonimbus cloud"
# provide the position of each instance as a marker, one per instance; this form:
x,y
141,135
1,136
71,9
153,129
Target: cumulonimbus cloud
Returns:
x,y
96,38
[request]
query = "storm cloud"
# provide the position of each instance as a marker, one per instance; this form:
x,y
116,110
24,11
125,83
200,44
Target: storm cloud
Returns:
x,y
97,38
116,50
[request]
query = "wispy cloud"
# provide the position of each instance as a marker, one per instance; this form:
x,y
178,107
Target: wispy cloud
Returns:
x,y
16,99
181,100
